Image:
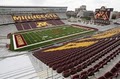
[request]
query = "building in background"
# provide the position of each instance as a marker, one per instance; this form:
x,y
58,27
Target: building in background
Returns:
x,y
70,14
82,8
83,13
115,15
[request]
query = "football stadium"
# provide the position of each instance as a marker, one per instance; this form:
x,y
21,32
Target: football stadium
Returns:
x,y
59,49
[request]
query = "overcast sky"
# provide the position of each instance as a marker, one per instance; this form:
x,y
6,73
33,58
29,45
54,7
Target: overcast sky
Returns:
x,y
71,4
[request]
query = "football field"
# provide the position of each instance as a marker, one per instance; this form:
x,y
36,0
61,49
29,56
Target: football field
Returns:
x,y
42,37
48,34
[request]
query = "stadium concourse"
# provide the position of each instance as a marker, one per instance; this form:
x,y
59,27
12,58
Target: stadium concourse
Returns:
x,y
39,43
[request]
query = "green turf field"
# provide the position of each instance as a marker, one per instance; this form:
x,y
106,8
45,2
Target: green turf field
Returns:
x,y
47,36
51,33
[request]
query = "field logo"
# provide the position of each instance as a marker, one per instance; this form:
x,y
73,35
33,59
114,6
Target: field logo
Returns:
x,y
19,40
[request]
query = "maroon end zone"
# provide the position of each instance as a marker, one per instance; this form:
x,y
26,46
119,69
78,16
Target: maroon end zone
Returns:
x,y
20,41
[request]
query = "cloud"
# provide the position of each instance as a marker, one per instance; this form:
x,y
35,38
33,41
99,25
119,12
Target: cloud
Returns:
x,y
16,2
71,4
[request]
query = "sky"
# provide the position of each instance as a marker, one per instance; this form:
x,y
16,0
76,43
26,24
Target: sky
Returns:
x,y
71,4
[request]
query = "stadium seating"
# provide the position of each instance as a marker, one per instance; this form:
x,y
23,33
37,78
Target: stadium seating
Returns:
x,y
31,21
73,45
113,73
32,25
19,26
74,62
85,27
26,26
27,21
62,16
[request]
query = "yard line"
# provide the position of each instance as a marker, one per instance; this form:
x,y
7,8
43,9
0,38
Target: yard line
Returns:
x,y
28,38
31,38
34,35
37,35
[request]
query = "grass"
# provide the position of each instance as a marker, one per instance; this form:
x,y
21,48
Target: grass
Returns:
x,y
11,43
37,36
47,34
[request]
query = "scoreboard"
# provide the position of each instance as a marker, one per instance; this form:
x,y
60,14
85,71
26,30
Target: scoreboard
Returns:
x,y
102,15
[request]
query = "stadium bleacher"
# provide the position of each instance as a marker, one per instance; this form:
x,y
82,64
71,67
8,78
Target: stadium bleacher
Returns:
x,y
10,25
84,62
40,20
62,16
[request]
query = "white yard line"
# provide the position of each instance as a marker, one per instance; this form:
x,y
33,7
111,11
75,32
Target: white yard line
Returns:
x,y
28,39
37,35
53,39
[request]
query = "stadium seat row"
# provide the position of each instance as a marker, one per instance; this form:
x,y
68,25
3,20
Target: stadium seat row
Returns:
x,y
72,62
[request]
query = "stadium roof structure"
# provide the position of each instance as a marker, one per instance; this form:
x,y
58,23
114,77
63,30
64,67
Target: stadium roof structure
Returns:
x,y
33,7
30,9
